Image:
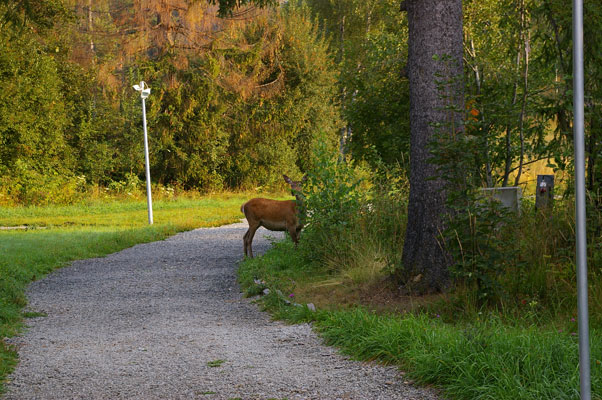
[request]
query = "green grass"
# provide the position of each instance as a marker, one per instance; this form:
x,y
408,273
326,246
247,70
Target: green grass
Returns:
x,y
486,357
485,360
61,234
206,211
215,363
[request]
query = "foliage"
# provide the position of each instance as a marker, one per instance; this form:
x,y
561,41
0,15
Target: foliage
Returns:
x,y
226,7
368,40
280,94
379,108
333,200
235,114
478,228
38,13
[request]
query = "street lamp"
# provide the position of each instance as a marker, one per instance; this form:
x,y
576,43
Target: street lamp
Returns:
x,y
144,93
578,129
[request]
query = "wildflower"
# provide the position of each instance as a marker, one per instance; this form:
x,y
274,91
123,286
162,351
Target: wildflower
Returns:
x,y
291,295
572,319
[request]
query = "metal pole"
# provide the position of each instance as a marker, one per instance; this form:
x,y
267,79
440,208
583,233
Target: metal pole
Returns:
x,y
578,131
149,199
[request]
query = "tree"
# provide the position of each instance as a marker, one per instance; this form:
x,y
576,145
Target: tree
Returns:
x,y
435,71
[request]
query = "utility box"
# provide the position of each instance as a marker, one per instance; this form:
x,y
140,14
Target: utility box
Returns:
x,y
509,196
544,192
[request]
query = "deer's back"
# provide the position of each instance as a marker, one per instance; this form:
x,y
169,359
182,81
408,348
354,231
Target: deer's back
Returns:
x,y
273,214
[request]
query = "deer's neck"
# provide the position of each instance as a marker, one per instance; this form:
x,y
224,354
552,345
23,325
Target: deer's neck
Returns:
x,y
301,210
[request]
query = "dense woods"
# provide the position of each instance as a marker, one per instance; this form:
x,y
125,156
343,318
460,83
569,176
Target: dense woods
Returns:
x,y
238,99
235,102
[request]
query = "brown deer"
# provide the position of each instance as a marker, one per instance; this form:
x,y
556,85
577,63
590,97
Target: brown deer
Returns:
x,y
274,215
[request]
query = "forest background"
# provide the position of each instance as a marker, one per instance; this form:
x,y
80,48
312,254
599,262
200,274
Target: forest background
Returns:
x,y
238,100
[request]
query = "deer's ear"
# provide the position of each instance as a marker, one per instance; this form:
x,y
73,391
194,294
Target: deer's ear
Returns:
x,y
287,179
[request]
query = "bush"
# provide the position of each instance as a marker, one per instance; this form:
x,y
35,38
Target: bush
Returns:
x,y
27,186
354,219
333,202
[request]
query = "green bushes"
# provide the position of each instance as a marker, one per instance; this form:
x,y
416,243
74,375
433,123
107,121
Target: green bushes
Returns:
x,y
354,220
235,114
28,186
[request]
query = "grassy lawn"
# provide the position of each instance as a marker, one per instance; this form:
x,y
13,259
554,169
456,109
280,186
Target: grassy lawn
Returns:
x,y
488,355
57,235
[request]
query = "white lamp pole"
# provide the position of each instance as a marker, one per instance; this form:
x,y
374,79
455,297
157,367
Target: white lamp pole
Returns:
x,y
144,93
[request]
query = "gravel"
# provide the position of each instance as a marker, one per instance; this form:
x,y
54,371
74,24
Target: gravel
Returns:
x,y
166,320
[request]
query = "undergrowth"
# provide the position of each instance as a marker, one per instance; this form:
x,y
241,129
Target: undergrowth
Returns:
x,y
508,328
485,357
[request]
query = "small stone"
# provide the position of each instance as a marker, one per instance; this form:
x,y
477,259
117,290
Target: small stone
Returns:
x,y
266,291
311,306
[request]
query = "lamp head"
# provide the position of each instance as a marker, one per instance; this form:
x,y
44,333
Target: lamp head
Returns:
x,y
143,89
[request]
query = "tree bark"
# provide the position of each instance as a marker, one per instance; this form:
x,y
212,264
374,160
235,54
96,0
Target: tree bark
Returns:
x,y
435,29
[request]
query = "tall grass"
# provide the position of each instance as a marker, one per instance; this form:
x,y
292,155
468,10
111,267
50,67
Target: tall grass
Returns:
x,y
487,360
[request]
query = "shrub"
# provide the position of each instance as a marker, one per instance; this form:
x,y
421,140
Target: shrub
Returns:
x,y
27,186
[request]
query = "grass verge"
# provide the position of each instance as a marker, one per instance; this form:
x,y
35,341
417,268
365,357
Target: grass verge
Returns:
x,y
57,235
483,358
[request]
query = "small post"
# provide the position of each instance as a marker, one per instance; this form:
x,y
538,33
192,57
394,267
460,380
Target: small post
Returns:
x,y
144,93
544,192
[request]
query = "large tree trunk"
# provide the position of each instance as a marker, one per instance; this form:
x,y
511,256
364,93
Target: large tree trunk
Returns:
x,y
435,29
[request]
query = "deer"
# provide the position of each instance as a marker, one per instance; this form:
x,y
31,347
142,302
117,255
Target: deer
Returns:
x,y
274,215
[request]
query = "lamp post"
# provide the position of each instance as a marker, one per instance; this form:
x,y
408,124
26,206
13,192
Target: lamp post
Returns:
x,y
144,93
578,131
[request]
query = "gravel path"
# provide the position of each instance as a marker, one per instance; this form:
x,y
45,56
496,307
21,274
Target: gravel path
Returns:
x,y
166,320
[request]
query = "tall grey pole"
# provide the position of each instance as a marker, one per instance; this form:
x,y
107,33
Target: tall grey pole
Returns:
x,y
144,93
578,132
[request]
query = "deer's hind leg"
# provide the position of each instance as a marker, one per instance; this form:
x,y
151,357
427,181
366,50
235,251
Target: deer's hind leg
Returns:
x,y
248,239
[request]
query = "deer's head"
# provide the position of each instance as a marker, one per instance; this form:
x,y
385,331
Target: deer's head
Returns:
x,y
296,186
